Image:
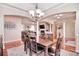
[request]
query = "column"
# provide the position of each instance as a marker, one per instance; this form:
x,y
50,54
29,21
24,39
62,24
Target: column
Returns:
x,y
63,41
54,31
37,31
50,27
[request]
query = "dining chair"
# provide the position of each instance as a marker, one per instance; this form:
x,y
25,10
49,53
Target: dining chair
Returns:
x,y
35,47
25,40
55,51
1,46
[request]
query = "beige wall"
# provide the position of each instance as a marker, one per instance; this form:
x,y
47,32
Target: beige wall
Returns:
x,y
1,23
70,29
14,33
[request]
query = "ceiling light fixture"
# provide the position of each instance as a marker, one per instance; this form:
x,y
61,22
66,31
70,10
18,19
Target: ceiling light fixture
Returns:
x,y
60,14
37,13
55,15
58,17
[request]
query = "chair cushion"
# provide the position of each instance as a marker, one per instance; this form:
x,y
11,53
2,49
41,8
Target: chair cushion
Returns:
x,y
50,50
40,47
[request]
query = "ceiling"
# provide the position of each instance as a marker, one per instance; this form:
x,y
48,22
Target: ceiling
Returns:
x,y
25,7
31,6
63,15
66,16
44,7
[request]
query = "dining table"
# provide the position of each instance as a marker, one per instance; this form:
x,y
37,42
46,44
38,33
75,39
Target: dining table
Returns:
x,y
47,43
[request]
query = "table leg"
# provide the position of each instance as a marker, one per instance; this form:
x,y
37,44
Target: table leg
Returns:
x,y
46,51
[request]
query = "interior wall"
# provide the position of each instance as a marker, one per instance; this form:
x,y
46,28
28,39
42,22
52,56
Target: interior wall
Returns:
x,y
1,24
1,21
8,10
70,38
77,31
70,30
1,27
13,34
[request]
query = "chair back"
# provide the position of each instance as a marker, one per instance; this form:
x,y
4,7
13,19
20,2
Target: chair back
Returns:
x,y
32,37
58,46
1,46
24,36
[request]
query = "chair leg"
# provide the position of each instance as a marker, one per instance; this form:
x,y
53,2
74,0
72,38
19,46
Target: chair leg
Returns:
x,y
44,53
30,52
1,52
57,54
26,50
24,46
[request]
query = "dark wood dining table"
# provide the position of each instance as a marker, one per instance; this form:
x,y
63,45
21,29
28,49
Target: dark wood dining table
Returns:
x,y
47,43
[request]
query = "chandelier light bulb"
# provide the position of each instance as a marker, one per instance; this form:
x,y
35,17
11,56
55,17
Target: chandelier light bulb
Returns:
x,y
31,12
36,14
60,15
55,15
38,11
41,14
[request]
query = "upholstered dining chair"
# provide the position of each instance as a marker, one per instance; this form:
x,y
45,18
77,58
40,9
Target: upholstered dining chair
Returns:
x,y
35,47
55,51
25,40
1,46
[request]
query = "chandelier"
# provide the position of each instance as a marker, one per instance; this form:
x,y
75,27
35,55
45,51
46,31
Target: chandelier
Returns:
x,y
37,13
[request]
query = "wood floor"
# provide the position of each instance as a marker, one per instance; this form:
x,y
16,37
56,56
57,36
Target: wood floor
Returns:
x,y
19,51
